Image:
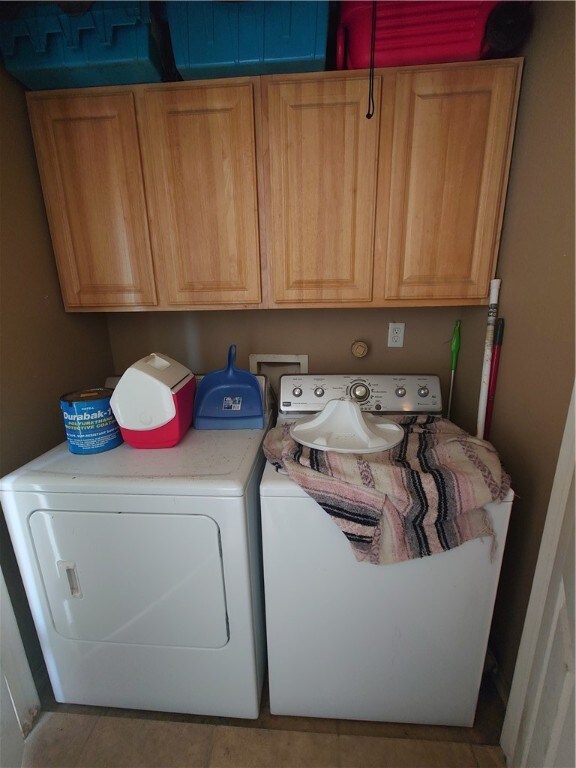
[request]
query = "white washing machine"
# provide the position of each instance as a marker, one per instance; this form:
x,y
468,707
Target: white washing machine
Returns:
x,y
143,572
398,643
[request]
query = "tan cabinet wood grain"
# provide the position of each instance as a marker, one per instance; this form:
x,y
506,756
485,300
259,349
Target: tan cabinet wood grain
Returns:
x,y
450,152
277,191
89,162
199,160
321,189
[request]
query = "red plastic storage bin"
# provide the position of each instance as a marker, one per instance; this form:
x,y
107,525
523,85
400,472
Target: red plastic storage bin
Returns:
x,y
411,32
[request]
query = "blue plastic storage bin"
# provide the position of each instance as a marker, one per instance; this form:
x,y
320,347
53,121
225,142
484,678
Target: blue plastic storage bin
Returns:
x,y
110,44
223,38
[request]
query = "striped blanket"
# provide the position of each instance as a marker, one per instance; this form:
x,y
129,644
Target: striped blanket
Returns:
x,y
422,497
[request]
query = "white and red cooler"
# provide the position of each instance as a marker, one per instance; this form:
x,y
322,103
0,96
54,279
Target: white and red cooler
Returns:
x,y
154,402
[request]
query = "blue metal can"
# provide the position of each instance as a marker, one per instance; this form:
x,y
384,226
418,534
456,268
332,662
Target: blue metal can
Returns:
x,y
89,422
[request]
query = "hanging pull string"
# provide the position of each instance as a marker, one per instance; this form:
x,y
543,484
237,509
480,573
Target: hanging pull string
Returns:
x,y
370,112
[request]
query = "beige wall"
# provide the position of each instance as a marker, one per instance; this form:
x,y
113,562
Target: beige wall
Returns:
x,y
201,341
537,301
43,351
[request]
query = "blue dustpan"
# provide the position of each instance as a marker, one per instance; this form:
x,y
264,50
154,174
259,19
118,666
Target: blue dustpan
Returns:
x,y
229,399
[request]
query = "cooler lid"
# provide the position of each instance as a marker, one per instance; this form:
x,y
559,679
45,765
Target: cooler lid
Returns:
x,y
143,398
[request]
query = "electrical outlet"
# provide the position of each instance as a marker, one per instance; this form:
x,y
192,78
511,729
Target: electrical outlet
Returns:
x,y
395,334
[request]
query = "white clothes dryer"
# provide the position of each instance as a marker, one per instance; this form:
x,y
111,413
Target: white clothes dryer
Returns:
x,y
398,643
143,572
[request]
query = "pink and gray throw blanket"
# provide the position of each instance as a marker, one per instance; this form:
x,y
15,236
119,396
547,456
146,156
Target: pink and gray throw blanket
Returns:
x,y
421,497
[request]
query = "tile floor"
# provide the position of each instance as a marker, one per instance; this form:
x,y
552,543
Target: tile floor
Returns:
x,y
69,736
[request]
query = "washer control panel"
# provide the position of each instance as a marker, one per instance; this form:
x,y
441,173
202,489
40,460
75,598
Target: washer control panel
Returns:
x,y
377,393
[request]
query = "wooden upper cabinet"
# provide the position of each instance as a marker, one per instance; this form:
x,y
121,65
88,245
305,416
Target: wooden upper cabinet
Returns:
x,y
320,188
445,179
199,160
89,161
159,196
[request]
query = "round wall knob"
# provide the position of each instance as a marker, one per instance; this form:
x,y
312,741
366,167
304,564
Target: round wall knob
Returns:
x,y
359,349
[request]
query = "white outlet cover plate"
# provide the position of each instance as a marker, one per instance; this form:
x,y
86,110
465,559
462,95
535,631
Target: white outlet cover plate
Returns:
x,y
396,334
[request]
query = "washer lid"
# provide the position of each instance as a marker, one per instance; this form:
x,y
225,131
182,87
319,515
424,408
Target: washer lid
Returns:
x,y
342,427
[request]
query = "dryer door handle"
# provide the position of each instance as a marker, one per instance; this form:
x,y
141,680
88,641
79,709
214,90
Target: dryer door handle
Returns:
x,y
68,568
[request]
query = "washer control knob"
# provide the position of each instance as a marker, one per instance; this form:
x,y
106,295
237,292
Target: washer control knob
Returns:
x,y
360,392
400,391
423,391
319,391
297,391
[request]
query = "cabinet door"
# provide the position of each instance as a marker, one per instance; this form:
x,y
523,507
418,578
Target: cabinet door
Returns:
x,y
449,160
199,154
323,155
89,162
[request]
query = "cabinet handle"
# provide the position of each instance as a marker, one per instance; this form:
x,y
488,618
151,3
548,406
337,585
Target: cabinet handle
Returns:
x,y
69,569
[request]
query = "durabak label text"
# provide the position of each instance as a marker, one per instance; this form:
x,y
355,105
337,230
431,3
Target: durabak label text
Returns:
x,y
87,416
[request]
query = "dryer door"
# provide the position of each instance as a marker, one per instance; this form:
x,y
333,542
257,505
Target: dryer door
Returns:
x,y
133,578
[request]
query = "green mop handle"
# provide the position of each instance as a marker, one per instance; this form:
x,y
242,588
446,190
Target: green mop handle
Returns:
x,y
455,349
455,345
